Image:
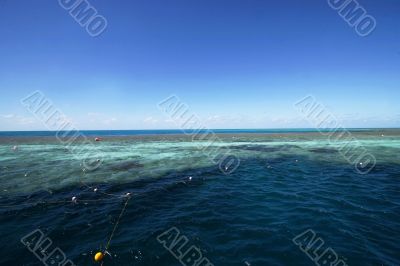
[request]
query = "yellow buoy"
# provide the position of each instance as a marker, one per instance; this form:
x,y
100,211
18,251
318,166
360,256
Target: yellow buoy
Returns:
x,y
99,256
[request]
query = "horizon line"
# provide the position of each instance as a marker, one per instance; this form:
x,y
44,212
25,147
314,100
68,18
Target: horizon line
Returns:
x,y
207,129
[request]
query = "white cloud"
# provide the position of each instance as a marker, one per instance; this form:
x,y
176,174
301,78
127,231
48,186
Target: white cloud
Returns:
x,y
18,119
110,121
101,119
93,114
7,116
19,122
150,120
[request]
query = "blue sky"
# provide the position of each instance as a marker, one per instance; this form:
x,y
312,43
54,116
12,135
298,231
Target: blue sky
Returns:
x,y
236,63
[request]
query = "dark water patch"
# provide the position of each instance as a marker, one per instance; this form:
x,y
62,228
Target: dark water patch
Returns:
x,y
263,148
125,165
324,150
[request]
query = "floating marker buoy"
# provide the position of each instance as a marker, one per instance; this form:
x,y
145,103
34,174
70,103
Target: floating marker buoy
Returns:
x,y
97,139
98,257
190,178
74,199
95,190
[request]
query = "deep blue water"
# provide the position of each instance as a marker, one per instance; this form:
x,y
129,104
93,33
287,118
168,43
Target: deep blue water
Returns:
x,y
247,218
161,132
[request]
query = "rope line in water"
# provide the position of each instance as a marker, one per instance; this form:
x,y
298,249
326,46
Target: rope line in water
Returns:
x,y
54,202
110,197
104,193
116,225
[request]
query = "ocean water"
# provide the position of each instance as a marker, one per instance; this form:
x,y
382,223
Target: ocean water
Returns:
x,y
287,182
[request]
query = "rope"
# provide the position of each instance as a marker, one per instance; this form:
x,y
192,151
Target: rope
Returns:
x,y
116,224
65,201
54,202
104,193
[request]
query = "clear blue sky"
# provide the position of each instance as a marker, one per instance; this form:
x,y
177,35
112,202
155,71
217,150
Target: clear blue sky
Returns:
x,y
236,63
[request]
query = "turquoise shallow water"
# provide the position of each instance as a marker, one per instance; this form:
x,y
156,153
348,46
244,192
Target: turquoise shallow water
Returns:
x,y
286,183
